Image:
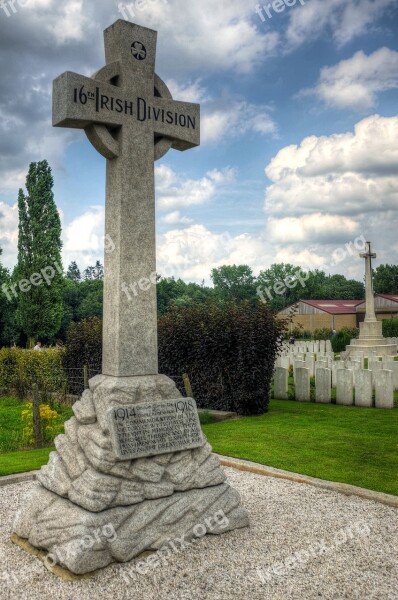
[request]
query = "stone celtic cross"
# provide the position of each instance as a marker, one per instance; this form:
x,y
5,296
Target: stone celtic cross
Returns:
x,y
130,117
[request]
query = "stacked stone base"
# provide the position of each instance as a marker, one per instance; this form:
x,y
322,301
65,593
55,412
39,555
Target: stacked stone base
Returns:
x,y
83,541
379,348
91,508
371,340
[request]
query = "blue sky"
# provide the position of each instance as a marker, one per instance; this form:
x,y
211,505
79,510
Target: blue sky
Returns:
x,y
299,152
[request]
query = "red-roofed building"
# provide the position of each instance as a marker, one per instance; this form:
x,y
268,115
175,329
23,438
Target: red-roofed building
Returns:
x,y
336,314
386,307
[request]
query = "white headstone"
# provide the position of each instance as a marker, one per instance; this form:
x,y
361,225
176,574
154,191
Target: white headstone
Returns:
x,y
281,379
393,366
384,390
323,386
363,388
302,385
345,387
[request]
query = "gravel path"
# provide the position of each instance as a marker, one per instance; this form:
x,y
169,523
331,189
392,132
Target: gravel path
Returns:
x,y
303,543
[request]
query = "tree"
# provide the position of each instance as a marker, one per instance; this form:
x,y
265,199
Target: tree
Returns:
x,y
39,274
9,333
171,292
385,279
284,284
73,272
232,282
337,287
91,299
280,285
96,272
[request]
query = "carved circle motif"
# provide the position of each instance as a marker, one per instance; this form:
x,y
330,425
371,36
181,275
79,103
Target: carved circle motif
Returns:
x,y
101,137
138,50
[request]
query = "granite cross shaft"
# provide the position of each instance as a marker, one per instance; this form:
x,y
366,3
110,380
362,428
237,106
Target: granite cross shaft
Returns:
x,y
370,300
130,117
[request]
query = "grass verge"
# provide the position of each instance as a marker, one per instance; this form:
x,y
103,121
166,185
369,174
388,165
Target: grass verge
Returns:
x,y
26,460
347,444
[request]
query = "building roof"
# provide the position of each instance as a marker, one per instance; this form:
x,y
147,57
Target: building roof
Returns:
x,y
332,307
386,302
393,297
335,307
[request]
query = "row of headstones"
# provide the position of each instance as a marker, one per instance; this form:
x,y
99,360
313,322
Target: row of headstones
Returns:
x,y
392,340
363,381
308,360
317,346
355,364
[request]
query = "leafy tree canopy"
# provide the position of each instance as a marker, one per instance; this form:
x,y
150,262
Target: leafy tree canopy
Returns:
x,y
385,279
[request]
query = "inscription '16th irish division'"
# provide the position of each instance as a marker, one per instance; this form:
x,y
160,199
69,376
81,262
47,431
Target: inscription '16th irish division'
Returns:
x,y
151,428
138,108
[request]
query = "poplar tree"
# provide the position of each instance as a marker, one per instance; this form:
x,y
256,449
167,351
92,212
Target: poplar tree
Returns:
x,y
39,275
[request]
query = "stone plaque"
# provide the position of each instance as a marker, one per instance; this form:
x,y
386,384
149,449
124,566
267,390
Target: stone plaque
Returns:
x,y
150,428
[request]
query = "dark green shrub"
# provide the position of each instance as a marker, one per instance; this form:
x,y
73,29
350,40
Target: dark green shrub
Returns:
x,y
323,334
228,351
83,348
297,332
343,338
390,328
8,368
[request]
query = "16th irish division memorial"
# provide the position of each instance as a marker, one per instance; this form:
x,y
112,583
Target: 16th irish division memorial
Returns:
x,y
133,456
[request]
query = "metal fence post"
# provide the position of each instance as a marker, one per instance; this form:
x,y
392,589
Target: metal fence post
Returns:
x,y
85,376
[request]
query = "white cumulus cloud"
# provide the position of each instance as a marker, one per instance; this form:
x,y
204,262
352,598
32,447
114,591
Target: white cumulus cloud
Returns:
x,y
173,191
344,20
234,118
355,82
330,190
175,218
193,252
83,238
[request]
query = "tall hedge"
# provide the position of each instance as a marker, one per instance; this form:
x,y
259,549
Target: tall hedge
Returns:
x,y
228,352
390,328
343,338
19,369
84,345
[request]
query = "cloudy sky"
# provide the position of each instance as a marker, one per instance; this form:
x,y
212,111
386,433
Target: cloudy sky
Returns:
x,y
299,152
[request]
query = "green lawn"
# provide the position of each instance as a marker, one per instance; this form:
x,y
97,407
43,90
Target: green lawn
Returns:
x,y
26,460
14,457
12,425
337,443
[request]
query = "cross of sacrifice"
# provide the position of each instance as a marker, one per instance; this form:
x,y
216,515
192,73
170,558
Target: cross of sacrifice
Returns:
x,y
130,117
369,295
